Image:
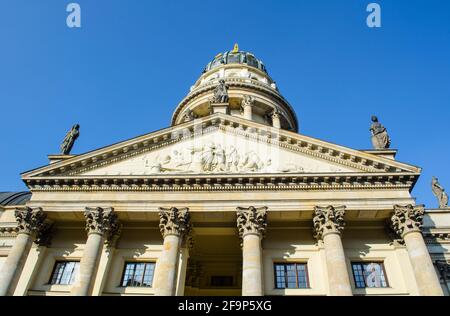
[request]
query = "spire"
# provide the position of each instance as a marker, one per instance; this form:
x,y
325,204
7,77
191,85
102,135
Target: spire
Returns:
x,y
236,48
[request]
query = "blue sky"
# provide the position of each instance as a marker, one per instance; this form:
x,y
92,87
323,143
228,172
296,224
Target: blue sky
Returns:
x,y
123,73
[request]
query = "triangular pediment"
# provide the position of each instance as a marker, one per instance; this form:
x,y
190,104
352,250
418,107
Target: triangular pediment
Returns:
x,y
220,145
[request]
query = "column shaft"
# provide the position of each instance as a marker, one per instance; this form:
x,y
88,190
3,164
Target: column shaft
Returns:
x,y
248,113
167,265
338,278
426,277
88,265
252,284
13,265
30,270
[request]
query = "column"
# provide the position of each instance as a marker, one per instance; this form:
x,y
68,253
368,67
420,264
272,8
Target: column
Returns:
x,y
406,222
105,261
247,105
186,247
276,123
29,222
100,223
328,226
251,223
35,257
174,226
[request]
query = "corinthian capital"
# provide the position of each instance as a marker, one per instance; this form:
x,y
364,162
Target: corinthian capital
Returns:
x,y
328,220
407,219
101,221
29,221
252,221
173,221
45,234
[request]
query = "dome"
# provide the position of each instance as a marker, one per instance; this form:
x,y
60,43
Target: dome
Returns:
x,y
14,198
248,89
236,57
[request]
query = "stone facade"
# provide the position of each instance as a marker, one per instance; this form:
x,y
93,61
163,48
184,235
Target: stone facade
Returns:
x,y
233,202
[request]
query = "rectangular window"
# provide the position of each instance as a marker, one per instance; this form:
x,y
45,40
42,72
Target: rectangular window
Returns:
x,y
65,272
138,274
291,276
369,275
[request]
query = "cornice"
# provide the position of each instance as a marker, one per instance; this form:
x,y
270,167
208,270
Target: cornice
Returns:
x,y
248,182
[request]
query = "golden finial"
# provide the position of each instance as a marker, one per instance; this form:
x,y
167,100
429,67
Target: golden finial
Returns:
x,y
235,49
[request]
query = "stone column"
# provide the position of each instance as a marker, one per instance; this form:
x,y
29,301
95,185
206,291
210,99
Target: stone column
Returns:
x,y
29,221
406,222
276,123
104,264
328,226
251,223
183,259
174,226
100,223
247,105
35,258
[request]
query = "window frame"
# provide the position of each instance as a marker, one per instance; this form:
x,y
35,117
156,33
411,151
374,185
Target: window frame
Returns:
x,y
72,276
284,264
135,263
364,263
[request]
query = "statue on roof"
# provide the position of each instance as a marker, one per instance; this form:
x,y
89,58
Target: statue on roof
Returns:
x,y
380,137
440,194
221,93
70,139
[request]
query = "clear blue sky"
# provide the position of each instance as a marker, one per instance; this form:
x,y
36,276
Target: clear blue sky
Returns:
x,y
122,74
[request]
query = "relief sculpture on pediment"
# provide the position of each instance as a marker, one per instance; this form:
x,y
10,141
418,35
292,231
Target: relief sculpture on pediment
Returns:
x,y
214,158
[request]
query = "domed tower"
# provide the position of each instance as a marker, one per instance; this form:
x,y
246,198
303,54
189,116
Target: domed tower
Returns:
x,y
238,84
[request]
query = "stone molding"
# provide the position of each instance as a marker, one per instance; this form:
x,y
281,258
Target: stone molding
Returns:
x,y
29,220
102,221
328,220
407,219
174,221
260,182
251,221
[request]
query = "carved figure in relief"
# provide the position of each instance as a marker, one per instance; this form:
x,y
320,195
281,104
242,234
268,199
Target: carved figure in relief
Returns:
x,y
213,157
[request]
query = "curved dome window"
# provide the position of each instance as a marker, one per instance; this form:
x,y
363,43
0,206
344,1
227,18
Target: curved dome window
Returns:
x,y
234,59
251,61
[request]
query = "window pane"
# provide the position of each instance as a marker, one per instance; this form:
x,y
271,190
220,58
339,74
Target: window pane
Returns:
x,y
374,275
65,273
369,275
138,274
291,276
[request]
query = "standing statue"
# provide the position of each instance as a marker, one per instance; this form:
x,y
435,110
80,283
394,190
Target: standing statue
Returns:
x,y
221,93
380,137
439,192
70,139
